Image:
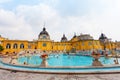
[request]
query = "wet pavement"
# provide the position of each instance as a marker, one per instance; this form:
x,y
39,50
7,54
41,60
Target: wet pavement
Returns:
x,y
13,75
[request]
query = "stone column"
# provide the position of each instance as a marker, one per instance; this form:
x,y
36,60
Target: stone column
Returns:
x,y
96,61
44,62
44,58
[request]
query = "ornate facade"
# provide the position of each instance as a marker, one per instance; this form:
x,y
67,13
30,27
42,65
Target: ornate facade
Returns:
x,y
44,43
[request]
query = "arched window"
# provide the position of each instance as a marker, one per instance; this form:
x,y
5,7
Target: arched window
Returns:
x,y
15,46
21,46
8,46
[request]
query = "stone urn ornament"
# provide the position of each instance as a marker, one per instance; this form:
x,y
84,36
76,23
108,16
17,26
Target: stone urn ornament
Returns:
x,y
44,62
96,56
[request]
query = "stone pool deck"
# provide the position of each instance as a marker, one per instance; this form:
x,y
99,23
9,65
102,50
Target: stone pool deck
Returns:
x,y
11,75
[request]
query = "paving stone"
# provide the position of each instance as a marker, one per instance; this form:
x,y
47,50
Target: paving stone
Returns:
x,y
8,75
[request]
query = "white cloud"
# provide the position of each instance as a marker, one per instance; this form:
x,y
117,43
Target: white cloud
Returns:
x,y
4,1
28,21
13,26
37,15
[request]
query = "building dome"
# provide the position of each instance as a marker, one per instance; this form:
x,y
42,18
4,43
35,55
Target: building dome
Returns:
x,y
44,32
74,35
43,35
63,39
102,36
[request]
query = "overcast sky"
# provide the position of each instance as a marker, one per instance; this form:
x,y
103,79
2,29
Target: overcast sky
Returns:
x,y
24,19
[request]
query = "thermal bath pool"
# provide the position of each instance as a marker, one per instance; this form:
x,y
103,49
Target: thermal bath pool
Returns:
x,y
64,60
62,63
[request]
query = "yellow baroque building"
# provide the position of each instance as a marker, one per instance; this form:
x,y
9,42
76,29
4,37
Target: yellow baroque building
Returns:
x,y
44,43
